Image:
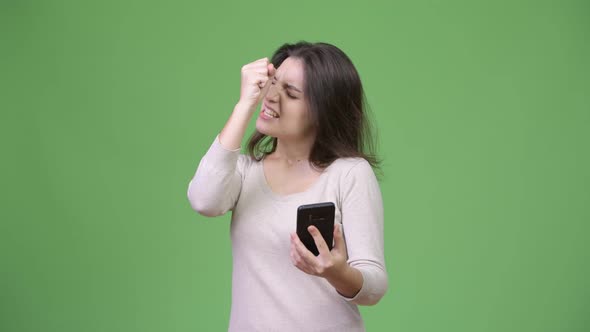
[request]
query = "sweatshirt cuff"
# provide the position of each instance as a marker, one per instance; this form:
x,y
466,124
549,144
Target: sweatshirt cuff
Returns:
x,y
218,142
361,292
220,157
373,288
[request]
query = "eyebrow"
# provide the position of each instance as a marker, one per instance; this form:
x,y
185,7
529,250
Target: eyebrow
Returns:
x,y
290,86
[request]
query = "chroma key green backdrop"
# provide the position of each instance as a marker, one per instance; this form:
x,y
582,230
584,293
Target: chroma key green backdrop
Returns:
x,y
483,111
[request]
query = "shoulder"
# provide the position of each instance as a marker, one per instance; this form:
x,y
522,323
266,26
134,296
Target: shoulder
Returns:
x,y
356,181
245,161
352,167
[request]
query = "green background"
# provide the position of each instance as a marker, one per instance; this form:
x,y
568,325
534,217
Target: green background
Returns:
x,y
483,110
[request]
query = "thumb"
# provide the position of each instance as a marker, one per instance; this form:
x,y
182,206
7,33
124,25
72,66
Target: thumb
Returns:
x,y
264,90
266,87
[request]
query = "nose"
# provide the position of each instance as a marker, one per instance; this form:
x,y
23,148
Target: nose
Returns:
x,y
272,95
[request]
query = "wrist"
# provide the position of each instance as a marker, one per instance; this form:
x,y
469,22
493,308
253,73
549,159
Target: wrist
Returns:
x,y
347,280
244,106
338,273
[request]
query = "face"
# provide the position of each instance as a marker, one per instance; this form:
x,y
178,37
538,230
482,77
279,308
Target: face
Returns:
x,y
287,99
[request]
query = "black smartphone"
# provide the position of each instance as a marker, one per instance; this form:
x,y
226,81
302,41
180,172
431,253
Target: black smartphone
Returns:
x,y
320,215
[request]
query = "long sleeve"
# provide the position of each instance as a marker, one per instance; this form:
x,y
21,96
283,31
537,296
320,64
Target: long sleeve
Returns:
x,y
216,185
362,220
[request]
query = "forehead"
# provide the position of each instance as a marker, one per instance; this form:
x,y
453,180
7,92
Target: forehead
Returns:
x,y
291,70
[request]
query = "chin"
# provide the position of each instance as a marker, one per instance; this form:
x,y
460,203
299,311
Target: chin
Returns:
x,y
260,128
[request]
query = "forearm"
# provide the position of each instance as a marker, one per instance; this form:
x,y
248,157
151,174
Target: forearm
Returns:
x,y
347,282
233,132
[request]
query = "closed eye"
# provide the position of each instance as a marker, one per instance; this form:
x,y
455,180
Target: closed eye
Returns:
x,y
288,94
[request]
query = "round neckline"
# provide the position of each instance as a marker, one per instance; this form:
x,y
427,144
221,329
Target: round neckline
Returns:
x,y
279,197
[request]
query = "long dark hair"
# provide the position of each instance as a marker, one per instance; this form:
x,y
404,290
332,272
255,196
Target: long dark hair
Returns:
x,y
337,104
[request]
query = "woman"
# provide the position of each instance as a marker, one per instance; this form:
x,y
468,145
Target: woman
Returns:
x,y
307,148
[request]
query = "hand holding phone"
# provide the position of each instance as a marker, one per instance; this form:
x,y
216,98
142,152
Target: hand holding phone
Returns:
x,y
320,215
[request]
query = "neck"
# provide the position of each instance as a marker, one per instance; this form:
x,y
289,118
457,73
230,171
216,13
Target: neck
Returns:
x,y
293,151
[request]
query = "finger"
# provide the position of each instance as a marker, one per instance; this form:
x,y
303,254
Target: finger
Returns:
x,y
260,64
261,80
303,252
262,70
265,73
264,89
320,243
298,262
339,242
252,65
292,256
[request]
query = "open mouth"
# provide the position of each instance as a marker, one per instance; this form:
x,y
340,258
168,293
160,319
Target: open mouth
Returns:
x,y
269,112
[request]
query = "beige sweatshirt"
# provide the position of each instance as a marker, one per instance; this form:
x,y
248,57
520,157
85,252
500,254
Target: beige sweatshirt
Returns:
x,y
268,292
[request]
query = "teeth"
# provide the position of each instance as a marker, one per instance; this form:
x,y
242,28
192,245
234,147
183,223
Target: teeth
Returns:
x,y
270,113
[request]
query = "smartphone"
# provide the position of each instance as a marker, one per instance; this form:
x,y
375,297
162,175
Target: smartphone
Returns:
x,y
320,215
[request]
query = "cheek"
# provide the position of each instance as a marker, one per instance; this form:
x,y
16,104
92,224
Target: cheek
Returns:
x,y
305,118
296,118
295,112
